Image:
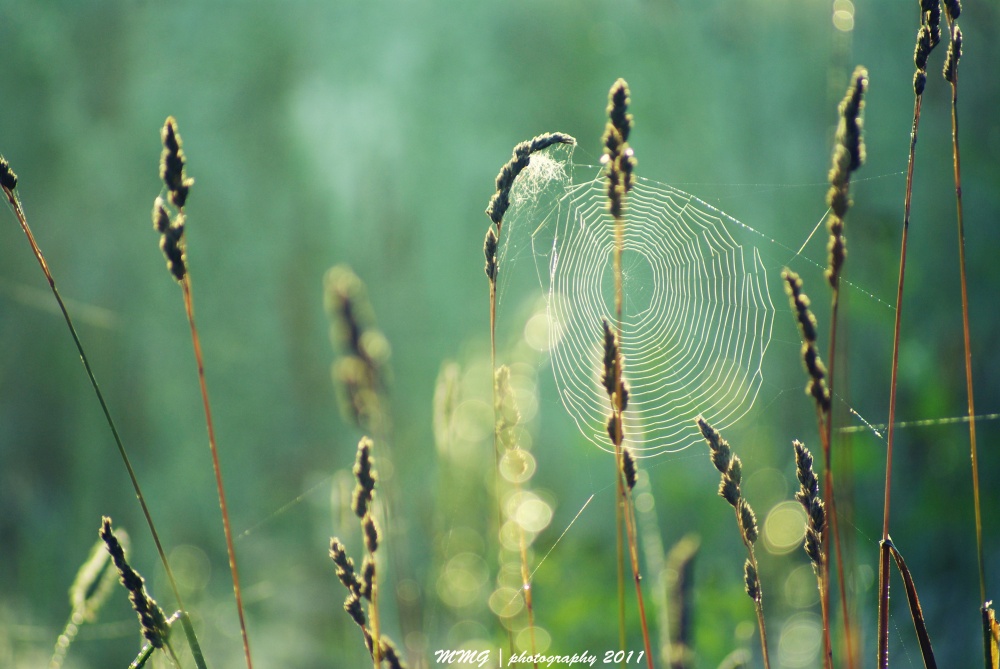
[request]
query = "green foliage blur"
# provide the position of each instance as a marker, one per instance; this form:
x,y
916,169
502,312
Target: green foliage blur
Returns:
x,y
370,134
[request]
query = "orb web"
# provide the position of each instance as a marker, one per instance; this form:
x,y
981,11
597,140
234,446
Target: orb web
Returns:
x,y
697,315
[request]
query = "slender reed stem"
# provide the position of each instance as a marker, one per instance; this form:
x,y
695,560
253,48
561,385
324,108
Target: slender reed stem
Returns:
x,y
196,343
621,506
620,164
828,494
189,632
497,207
496,428
883,600
927,38
848,156
954,52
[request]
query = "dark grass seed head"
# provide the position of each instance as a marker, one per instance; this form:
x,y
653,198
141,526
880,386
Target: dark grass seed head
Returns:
x,y
8,180
172,242
816,387
500,201
389,654
172,162
618,158
345,566
922,49
365,475
151,617
748,521
954,8
490,251
817,515
954,53
613,371
609,378
800,305
808,497
928,37
629,468
848,155
367,577
719,448
370,530
750,581
732,478
618,102
616,143
809,484
729,490
354,609
612,426
813,546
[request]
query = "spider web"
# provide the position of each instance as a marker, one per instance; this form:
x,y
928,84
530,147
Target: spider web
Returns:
x,y
697,315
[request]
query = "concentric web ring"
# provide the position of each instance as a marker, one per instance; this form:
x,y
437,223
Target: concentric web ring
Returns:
x,y
697,315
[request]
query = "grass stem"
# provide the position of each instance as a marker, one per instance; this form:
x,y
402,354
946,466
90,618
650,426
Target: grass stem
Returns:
x,y
230,550
189,632
954,51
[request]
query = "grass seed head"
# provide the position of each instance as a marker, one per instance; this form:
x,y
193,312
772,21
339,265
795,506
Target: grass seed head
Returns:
x,y
750,580
954,53
365,474
619,159
370,530
490,251
612,427
629,468
353,607
816,387
8,180
171,239
345,566
500,201
748,521
367,576
609,378
848,155
172,161
808,497
718,447
389,654
151,617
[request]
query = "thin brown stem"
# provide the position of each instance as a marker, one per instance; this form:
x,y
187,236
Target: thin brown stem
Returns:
x,y
526,589
376,640
623,507
189,632
828,494
957,163
196,343
619,437
633,543
823,575
883,622
497,457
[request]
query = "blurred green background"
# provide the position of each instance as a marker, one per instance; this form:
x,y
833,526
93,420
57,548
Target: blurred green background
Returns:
x,y
370,134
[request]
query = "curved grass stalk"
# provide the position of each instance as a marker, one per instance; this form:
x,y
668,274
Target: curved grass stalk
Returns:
x,y
173,245
230,550
497,207
954,52
9,184
927,38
